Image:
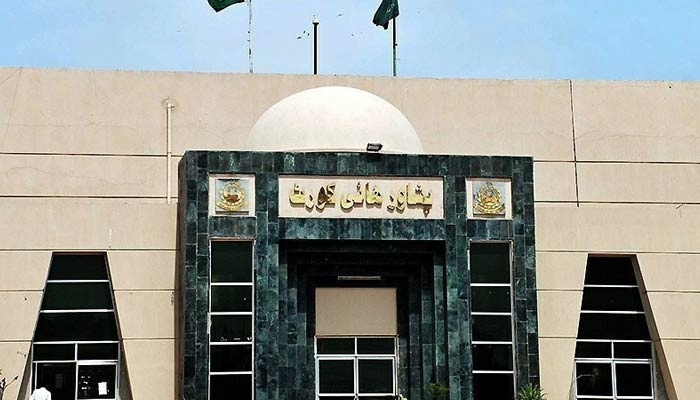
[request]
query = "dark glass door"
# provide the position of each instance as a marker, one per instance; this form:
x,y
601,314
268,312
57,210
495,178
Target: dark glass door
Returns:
x,y
57,378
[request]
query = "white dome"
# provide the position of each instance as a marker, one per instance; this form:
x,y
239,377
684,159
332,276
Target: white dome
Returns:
x,y
333,118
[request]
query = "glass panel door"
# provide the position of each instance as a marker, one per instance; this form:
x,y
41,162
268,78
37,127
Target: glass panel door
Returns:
x,y
356,368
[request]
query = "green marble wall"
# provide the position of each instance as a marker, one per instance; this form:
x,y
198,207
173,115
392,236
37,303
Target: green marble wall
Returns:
x,y
284,367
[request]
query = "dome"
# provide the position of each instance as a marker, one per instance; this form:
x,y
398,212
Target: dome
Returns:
x,y
333,118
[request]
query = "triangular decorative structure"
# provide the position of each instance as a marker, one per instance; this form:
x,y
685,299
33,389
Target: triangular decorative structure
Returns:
x,y
614,351
76,349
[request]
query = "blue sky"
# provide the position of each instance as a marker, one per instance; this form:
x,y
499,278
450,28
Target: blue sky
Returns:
x,y
587,39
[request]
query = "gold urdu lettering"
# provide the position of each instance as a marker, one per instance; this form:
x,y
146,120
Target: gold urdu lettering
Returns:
x,y
392,202
401,199
296,195
373,196
346,202
326,195
428,199
349,200
415,195
309,202
408,195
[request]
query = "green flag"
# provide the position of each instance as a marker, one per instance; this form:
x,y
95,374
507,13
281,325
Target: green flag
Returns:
x,y
219,5
388,10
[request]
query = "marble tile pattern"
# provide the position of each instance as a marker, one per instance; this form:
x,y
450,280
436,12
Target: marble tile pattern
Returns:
x,y
284,367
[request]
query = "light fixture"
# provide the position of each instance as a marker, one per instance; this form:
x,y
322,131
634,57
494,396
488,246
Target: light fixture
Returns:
x,y
374,147
359,278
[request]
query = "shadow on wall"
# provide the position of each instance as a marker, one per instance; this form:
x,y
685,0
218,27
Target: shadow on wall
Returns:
x,y
24,387
124,382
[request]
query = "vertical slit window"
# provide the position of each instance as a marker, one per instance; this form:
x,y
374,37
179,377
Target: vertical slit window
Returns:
x,y
75,354
614,352
492,320
231,320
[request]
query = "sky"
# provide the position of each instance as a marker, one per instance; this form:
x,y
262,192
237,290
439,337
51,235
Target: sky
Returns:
x,y
568,39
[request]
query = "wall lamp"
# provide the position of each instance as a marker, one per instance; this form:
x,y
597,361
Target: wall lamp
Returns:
x,y
374,147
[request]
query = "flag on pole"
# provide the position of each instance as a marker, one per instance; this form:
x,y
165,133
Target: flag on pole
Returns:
x,y
219,5
388,10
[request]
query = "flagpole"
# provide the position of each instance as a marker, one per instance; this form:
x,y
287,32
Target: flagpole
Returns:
x,y
395,45
250,35
315,23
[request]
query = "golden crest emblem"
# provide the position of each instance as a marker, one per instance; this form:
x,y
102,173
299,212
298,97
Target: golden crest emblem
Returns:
x,y
232,196
489,200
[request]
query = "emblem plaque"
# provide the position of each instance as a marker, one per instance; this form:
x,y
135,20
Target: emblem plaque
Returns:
x,y
488,198
231,195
